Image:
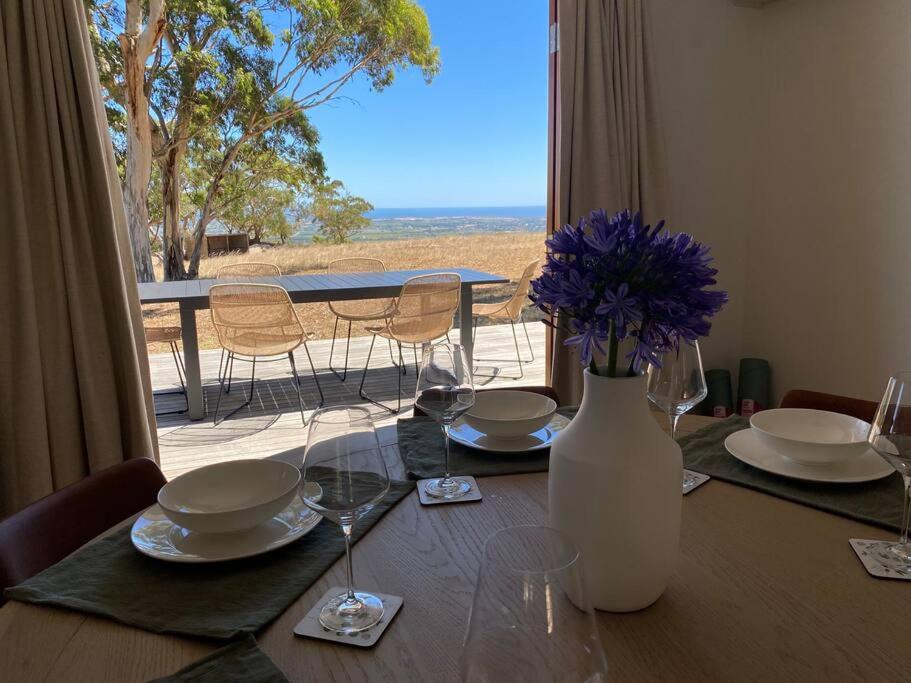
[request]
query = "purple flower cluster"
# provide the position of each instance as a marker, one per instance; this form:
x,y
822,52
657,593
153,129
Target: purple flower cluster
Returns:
x,y
611,277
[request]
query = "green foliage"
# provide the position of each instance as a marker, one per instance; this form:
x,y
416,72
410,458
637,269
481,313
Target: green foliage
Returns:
x,y
338,213
231,82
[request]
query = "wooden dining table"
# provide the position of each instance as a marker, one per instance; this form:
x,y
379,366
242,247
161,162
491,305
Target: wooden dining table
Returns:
x,y
764,589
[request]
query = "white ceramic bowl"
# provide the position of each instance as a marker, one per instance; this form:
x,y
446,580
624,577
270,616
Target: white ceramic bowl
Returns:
x,y
506,414
229,496
812,437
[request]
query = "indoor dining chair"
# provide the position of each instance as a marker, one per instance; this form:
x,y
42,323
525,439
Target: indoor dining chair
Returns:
x,y
356,310
510,311
257,322
422,312
243,272
49,529
855,407
169,335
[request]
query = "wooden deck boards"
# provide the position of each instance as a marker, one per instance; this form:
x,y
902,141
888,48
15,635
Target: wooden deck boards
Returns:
x,y
272,423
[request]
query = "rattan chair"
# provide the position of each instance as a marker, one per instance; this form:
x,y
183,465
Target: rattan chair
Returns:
x,y
422,312
170,336
511,311
243,272
357,310
256,321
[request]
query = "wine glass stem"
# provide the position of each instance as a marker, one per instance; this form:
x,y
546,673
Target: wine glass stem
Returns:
x,y
346,530
446,477
674,418
906,517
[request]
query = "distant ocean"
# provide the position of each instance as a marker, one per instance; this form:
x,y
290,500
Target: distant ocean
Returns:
x,y
409,223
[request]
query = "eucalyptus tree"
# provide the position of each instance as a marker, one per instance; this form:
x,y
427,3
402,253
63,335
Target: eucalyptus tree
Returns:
x,y
230,71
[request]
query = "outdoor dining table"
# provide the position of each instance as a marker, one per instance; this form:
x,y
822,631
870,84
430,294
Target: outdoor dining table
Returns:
x,y
193,295
764,589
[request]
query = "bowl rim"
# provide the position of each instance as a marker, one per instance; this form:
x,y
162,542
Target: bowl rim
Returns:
x,y
239,508
552,406
789,439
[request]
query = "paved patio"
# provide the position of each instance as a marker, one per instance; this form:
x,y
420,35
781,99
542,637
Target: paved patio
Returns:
x,y
272,423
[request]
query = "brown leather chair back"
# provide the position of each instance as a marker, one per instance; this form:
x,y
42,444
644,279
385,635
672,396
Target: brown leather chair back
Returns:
x,y
51,528
545,391
856,407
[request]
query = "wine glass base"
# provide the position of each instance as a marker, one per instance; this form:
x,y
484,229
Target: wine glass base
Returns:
x,y
338,615
447,489
900,552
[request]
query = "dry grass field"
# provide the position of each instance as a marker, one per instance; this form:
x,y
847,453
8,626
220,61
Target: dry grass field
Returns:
x,y
501,253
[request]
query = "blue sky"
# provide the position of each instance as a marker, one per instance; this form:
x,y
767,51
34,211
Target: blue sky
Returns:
x,y
476,136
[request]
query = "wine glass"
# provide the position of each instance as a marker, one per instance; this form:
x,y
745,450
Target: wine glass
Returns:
x,y
530,617
344,477
890,437
445,391
679,384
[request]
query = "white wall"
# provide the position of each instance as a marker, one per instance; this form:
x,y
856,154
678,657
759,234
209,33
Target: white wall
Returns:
x,y
792,155
829,283
698,50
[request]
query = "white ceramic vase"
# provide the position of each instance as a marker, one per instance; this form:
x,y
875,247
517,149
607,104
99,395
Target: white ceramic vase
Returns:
x,y
615,489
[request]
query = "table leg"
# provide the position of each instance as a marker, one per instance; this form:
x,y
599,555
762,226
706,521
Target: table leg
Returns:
x,y
191,360
465,324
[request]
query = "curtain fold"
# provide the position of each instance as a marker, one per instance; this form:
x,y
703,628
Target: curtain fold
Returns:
x,y
609,148
75,395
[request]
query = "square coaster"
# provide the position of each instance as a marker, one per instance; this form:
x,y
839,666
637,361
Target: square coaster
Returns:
x,y
473,495
693,480
309,626
878,561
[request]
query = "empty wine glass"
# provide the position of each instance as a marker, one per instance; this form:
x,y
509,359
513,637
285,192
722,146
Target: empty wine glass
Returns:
x,y
890,437
679,384
344,477
445,391
530,618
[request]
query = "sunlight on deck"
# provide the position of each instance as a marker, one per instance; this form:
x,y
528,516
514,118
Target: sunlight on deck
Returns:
x,y
272,422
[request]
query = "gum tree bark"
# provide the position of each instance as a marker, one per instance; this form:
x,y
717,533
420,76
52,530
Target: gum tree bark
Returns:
x,y
136,45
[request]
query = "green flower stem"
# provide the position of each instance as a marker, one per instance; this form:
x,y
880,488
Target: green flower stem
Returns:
x,y
612,348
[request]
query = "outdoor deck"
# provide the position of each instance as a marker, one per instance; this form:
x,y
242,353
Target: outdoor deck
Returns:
x,y
272,422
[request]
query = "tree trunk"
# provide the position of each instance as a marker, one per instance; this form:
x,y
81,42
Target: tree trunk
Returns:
x,y
171,244
205,214
138,158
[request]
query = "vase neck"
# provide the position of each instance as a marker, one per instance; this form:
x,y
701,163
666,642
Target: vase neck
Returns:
x,y
614,398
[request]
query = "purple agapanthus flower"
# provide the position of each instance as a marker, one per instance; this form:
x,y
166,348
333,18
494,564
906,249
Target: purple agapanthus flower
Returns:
x,y
612,277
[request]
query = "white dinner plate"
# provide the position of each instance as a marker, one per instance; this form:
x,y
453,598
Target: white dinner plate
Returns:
x,y
469,436
746,447
157,536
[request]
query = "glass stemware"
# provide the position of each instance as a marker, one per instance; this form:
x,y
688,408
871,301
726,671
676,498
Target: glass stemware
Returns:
x,y
890,437
445,391
679,384
530,618
343,478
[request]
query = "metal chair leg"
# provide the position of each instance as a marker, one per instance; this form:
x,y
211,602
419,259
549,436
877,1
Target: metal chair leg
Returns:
x,y
400,366
229,368
249,400
528,339
297,383
344,374
515,339
319,388
365,396
520,362
178,363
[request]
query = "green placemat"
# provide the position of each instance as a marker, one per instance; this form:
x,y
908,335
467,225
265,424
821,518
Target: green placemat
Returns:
x,y
240,662
218,600
421,446
875,502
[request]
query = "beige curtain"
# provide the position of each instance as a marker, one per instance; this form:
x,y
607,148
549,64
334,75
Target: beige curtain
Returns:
x,y
74,383
608,149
